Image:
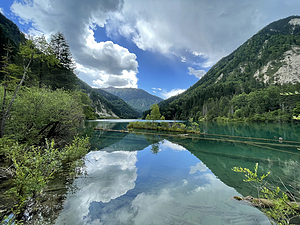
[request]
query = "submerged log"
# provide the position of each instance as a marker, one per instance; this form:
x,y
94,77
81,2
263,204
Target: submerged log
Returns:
x,y
121,131
263,203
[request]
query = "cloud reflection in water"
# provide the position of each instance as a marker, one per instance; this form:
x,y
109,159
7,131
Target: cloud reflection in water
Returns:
x,y
110,175
172,187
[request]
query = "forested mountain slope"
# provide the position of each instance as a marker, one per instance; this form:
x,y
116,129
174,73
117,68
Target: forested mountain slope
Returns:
x,y
138,99
9,34
10,30
107,105
125,109
248,82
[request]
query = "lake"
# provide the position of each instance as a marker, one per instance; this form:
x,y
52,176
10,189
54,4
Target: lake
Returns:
x,y
159,179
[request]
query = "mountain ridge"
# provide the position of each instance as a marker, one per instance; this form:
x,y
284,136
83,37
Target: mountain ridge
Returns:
x,y
138,99
126,110
107,105
268,51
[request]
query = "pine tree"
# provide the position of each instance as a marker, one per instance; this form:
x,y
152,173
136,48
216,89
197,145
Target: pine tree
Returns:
x,y
62,51
63,76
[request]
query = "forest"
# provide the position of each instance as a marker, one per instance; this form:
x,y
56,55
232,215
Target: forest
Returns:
x,y
230,91
41,110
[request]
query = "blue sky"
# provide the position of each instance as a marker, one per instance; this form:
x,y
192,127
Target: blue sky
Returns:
x,y
161,46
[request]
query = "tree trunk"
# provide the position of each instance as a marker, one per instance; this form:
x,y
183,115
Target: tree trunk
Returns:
x,y
5,113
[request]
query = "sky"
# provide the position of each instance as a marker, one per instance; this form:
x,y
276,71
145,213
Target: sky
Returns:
x,y
161,46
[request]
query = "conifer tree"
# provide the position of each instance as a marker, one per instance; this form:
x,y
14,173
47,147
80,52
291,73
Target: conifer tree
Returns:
x,y
63,75
62,51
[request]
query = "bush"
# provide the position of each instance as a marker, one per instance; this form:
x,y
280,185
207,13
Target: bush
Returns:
x,y
34,167
42,113
280,208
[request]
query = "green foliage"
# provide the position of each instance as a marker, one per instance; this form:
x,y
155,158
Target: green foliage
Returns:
x,y
62,51
296,111
28,52
5,143
42,113
281,210
61,74
34,167
10,30
155,114
47,67
251,176
163,125
86,103
76,150
33,114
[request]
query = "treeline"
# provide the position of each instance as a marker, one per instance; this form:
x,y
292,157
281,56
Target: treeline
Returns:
x,y
155,121
274,103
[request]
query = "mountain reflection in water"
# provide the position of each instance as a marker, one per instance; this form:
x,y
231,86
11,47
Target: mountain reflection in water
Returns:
x,y
150,179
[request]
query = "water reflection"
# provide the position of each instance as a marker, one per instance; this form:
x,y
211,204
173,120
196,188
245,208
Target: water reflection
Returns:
x,y
199,167
221,156
138,187
287,131
110,175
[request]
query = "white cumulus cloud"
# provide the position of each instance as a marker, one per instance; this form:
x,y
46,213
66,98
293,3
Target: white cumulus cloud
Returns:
x,y
196,73
209,28
173,92
101,63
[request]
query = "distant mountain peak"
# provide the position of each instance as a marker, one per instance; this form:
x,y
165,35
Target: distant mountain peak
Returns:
x,y
137,98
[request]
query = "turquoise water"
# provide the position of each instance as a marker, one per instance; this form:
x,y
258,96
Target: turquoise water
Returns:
x,y
158,179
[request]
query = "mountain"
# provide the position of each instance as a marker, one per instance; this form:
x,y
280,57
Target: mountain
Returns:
x,y
107,105
249,82
126,110
9,34
138,99
10,31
